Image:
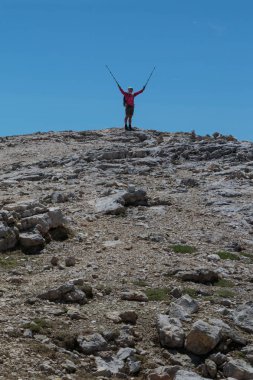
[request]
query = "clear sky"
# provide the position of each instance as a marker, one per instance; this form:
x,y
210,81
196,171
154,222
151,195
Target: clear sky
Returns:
x,y
53,55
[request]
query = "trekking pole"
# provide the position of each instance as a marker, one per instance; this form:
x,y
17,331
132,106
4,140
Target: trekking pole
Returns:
x,y
150,76
112,75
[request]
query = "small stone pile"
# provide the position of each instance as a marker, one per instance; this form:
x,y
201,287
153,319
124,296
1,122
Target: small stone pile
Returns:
x,y
30,225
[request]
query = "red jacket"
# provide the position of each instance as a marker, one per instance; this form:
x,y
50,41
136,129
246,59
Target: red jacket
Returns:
x,y
130,97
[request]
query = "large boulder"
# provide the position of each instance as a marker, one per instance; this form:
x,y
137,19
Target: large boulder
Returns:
x,y
202,338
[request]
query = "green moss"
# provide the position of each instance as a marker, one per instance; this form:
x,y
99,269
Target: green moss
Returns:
x,y
239,354
157,294
191,292
178,248
225,293
105,289
228,255
140,283
223,283
38,325
8,262
225,288
248,255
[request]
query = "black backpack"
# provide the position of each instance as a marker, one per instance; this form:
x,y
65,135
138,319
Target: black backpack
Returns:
x,y
124,101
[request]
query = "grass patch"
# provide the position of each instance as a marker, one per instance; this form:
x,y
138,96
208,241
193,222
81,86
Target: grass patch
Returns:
x,y
223,283
225,288
105,289
178,248
248,255
38,325
8,262
191,292
239,354
42,349
157,294
228,255
140,283
225,293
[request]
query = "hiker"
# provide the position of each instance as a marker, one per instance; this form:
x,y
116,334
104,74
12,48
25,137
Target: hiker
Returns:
x,y
129,105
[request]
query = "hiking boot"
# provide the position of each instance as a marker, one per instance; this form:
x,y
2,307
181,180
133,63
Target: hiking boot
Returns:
x,y
126,128
130,128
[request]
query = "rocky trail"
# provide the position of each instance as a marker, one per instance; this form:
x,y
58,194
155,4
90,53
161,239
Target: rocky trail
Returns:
x,y
126,255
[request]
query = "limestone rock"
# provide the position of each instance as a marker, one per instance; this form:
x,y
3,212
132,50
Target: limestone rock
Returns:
x,y
70,261
67,293
183,308
110,205
248,351
108,367
134,296
211,368
121,363
31,240
116,203
238,369
129,316
243,316
8,237
163,373
187,375
170,331
202,338
126,337
28,224
54,261
90,344
201,275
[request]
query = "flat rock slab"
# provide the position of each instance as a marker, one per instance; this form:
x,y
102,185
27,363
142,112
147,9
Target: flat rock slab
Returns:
x,y
116,203
31,239
201,275
67,293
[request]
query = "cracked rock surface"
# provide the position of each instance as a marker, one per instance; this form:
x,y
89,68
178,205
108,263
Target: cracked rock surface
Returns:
x,y
126,255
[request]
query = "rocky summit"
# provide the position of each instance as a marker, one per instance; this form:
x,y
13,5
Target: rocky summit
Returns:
x,y
126,255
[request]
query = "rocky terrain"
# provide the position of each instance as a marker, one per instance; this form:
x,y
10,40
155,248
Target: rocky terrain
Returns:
x,y
126,255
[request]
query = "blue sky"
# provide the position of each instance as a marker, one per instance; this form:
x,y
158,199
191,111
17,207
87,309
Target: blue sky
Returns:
x,y
53,55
